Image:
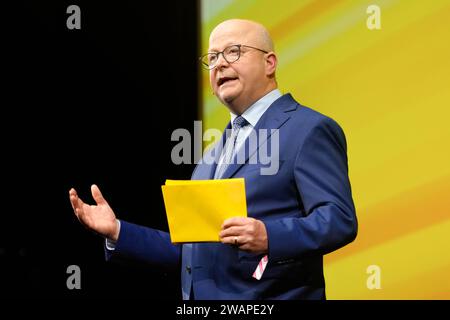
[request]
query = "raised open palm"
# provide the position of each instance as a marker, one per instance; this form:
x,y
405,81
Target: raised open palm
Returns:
x,y
99,218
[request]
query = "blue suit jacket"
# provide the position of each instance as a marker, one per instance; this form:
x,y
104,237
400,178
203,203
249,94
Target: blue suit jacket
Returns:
x,y
306,206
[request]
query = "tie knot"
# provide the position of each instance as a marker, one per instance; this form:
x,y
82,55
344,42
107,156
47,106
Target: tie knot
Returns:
x,y
239,122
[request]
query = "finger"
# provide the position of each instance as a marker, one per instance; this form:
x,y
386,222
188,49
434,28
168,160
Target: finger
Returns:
x,y
72,191
97,195
73,197
76,203
230,240
235,221
232,231
237,241
78,213
245,247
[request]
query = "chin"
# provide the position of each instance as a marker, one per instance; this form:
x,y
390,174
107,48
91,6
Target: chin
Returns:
x,y
228,95
226,98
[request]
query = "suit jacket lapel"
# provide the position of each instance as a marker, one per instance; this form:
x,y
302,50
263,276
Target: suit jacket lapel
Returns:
x,y
206,168
275,116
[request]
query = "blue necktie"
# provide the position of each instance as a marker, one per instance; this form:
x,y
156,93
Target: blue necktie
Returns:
x,y
229,150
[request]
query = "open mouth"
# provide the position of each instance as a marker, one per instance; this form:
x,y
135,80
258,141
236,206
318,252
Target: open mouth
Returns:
x,y
223,80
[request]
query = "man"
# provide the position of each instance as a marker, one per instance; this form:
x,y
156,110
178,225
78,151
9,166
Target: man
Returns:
x,y
295,215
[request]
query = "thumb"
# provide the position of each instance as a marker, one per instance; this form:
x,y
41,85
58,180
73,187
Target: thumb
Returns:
x,y
97,195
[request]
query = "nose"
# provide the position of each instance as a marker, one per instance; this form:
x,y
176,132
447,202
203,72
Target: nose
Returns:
x,y
221,61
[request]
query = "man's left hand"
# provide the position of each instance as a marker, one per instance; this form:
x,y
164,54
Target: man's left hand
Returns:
x,y
246,233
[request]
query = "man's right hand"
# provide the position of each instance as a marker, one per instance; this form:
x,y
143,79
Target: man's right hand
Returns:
x,y
99,218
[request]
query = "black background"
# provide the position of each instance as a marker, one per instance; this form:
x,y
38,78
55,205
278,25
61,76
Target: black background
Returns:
x,y
96,105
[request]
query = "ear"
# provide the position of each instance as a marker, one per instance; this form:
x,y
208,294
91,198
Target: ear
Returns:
x,y
271,64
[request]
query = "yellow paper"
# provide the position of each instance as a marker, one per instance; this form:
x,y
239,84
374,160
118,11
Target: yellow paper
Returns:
x,y
196,209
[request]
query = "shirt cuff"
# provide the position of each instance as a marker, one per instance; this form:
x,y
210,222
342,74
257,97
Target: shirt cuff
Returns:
x,y
111,244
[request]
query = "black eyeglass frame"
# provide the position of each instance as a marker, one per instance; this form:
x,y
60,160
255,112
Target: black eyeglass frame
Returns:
x,y
208,67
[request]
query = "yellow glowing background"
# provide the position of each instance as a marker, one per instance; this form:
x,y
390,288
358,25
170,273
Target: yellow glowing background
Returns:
x,y
390,91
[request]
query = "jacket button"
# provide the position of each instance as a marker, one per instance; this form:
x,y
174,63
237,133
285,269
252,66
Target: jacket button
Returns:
x,y
188,269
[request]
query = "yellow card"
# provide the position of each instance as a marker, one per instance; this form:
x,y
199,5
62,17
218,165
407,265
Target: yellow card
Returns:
x,y
196,209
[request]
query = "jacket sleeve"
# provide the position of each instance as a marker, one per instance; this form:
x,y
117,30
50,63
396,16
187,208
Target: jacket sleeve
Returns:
x,y
328,220
143,244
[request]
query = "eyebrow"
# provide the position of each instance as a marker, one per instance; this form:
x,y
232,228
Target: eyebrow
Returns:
x,y
226,45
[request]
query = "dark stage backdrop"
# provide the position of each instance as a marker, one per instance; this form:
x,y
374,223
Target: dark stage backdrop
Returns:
x,y
95,105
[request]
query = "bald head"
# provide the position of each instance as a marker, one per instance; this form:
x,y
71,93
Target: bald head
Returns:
x,y
250,31
249,72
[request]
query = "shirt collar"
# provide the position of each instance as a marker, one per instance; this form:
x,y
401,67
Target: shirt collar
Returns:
x,y
256,110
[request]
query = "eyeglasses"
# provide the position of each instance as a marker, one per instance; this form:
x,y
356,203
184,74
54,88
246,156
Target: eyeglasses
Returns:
x,y
230,54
